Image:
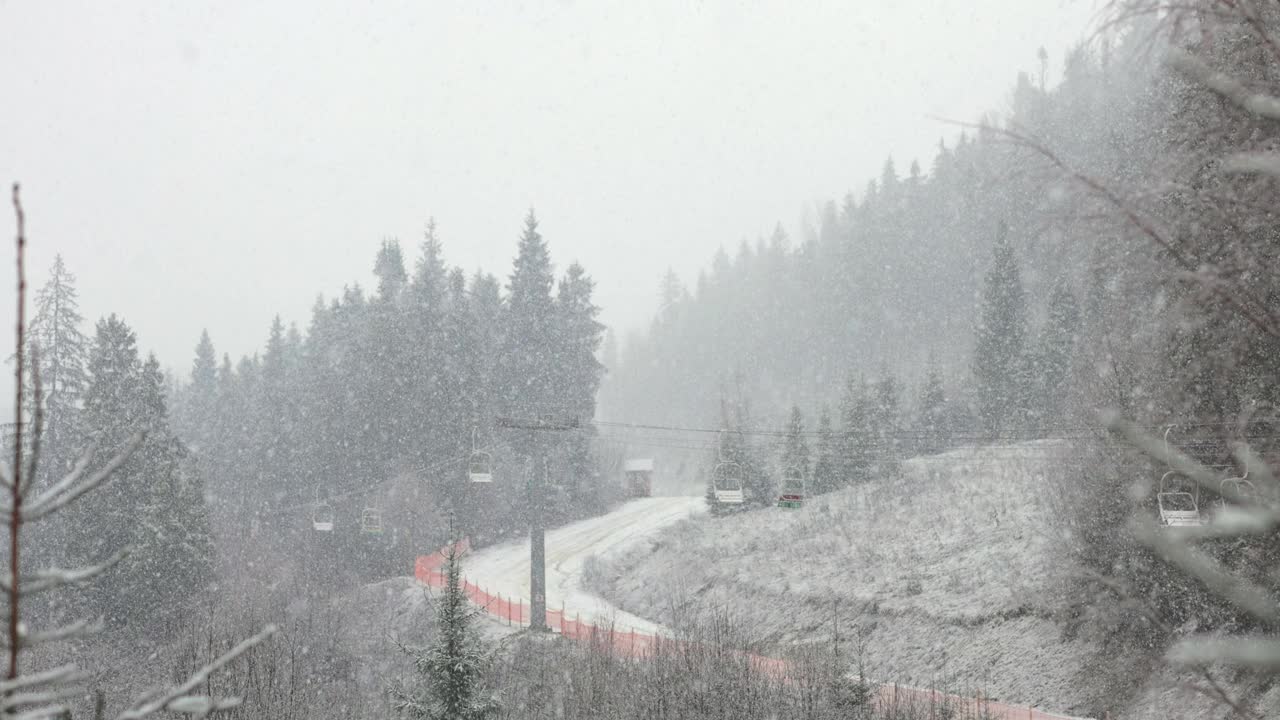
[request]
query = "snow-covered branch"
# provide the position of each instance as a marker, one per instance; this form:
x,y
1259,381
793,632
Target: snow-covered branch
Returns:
x,y
63,494
51,578
1260,104
1261,163
40,693
1255,652
1239,591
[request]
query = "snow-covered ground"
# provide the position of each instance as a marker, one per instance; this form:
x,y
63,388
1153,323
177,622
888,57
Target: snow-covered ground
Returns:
x,y
944,578
505,568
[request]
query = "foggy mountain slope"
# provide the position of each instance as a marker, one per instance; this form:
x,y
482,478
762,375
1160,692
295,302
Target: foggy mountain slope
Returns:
x,y
945,578
890,274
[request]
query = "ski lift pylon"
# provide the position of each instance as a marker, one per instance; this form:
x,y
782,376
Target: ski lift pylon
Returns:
x,y
480,464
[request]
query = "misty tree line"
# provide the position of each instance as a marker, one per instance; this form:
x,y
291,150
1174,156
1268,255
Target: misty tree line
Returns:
x,y
965,303
96,393
374,406
1111,244
873,436
378,404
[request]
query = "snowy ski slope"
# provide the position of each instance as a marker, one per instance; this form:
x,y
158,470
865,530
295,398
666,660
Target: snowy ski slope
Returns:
x,y
504,568
943,576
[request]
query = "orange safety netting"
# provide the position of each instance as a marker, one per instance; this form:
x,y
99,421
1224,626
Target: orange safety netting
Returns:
x,y
429,570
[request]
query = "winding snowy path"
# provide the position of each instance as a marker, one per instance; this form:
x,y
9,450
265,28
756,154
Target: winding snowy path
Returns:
x,y
505,568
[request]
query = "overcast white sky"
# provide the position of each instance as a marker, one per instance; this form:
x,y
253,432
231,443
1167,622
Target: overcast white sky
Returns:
x,y
213,164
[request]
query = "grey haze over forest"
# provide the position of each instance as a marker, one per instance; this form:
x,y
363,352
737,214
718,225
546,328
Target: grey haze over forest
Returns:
x,y
213,165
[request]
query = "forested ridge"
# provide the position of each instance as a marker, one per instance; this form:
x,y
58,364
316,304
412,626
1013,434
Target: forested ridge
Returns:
x,y
891,279
1106,249
375,406
1026,391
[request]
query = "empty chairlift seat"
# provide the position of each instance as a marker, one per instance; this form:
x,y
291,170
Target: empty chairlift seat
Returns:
x,y
1178,507
480,468
322,517
726,482
371,521
638,473
792,495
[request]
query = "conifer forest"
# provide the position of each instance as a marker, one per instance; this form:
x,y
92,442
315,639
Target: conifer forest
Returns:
x,y
614,361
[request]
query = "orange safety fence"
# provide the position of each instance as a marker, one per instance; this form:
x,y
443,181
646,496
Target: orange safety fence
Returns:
x,y
429,570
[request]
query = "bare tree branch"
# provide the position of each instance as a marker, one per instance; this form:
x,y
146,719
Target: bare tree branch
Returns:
x,y
179,697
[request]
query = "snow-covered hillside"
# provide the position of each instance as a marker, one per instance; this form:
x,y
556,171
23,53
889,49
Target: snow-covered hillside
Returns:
x,y
504,568
943,577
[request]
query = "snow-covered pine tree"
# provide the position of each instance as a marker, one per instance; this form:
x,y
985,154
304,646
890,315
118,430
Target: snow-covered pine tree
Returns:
x,y
112,414
999,360
826,467
578,373
389,269
527,372
886,425
931,421
487,311
41,694
1057,348
452,671
795,452
171,558
63,349
57,350
857,439
394,368
426,307
200,397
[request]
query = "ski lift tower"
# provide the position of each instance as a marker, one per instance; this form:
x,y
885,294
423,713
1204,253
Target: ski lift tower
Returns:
x,y
536,493
638,474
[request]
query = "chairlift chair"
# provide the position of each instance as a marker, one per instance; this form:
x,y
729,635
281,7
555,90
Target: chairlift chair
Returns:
x,y
371,521
480,468
726,482
1238,487
1178,508
322,517
792,495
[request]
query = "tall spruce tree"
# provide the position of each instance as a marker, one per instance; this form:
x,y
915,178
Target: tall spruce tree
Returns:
x,y
886,425
932,418
61,348
201,396
857,434
577,371
426,309
527,371
826,467
171,560
393,367
999,360
149,509
389,269
795,452
1057,348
